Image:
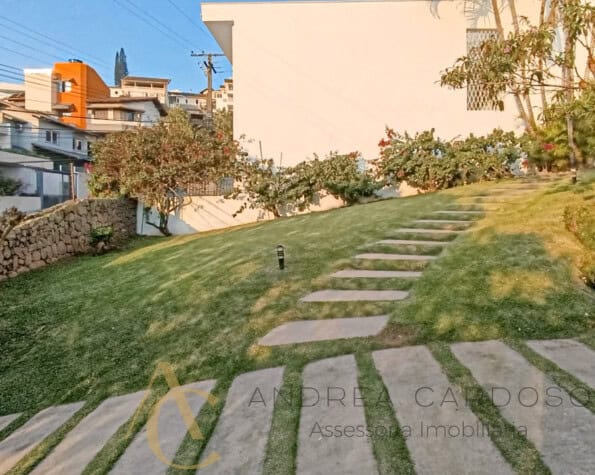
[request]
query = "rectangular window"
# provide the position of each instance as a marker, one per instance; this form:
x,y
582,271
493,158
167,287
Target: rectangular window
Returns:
x,y
48,136
64,86
100,114
55,137
477,96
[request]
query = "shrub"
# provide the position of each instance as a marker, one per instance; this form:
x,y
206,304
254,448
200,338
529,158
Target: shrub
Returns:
x,y
101,238
580,220
429,163
9,186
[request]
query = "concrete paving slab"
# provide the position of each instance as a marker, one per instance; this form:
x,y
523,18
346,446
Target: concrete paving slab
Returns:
x,y
395,257
33,432
413,242
376,274
327,329
354,295
459,211
82,443
5,421
330,392
428,231
570,355
561,429
241,435
139,459
444,221
443,438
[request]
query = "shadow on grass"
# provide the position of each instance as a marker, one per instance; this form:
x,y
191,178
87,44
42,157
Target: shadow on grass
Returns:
x,y
498,285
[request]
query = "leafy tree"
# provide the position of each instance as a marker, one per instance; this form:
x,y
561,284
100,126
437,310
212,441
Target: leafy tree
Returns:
x,y
157,164
9,186
527,61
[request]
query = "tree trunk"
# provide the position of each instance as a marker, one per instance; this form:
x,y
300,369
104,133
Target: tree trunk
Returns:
x,y
540,62
517,98
163,223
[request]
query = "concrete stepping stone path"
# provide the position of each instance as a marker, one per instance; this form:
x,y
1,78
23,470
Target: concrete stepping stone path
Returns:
x,y
459,211
570,355
320,330
428,231
5,421
82,443
443,221
561,430
407,242
354,295
376,274
395,257
240,437
330,399
139,459
33,432
434,432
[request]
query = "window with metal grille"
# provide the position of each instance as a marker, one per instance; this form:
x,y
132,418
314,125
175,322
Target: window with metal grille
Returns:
x,y
477,97
221,188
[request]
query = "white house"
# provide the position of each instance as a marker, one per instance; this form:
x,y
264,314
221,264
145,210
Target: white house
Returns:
x,y
114,114
330,75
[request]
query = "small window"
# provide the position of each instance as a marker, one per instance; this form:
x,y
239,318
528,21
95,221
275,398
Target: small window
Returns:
x,y
55,137
230,87
48,136
65,86
196,101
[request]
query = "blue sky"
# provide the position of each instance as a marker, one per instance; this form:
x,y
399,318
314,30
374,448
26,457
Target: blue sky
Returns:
x,y
95,29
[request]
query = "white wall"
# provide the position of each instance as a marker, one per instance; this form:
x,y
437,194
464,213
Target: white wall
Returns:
x,y
25,204
320,76
206,213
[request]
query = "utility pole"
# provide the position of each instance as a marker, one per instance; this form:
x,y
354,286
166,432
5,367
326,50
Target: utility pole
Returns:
x,y
209,70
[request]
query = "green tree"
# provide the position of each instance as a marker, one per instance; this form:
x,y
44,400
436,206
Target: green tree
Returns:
x,y
120,67
157,165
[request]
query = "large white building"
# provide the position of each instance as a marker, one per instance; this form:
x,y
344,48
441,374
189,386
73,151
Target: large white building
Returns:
x,y
320,76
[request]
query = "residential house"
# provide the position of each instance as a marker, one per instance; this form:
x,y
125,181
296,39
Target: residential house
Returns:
x,y
195,104
300,69
8,89
223,96
120,113
138,86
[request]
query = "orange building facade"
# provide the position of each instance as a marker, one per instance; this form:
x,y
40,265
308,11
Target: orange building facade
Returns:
x,y
78,83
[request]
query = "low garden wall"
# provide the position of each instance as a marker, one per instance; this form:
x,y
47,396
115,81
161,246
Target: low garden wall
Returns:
x,y
62,231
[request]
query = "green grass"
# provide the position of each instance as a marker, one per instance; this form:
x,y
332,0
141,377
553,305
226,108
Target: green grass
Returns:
x,y
92,327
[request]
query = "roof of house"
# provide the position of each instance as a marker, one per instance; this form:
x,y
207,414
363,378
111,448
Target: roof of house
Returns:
x,y
124,99
146,79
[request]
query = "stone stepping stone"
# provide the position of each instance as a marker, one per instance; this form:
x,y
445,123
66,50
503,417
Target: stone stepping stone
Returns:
x,y
330,399
139,459
84,442
562,431
376,274
443,221
395,257
240,437
320,330
33,432
416,386
570,355
354,295
458,211
428,231
407,242
5,421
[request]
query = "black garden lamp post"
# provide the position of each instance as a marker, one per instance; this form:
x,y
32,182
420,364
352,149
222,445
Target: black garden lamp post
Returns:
x,y
281,256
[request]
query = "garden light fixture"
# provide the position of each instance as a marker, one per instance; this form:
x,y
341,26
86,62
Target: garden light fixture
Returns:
x,y
281,256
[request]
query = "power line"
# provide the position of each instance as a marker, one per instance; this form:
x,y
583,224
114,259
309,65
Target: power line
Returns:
x,y
23,54
54,40
143,19
183,13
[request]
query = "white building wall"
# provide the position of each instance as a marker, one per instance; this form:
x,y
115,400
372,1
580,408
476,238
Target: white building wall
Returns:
x,y
303,72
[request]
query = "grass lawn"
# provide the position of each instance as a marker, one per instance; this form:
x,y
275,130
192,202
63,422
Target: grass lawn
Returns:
x,y
97,326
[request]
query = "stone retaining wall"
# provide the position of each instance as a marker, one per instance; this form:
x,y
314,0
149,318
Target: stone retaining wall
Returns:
x,y
63,230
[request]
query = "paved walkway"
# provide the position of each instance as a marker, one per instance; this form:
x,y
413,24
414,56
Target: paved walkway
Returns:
x,y
332,406
442,437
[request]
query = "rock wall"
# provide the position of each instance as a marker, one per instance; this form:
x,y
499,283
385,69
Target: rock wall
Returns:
x,y
62,231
